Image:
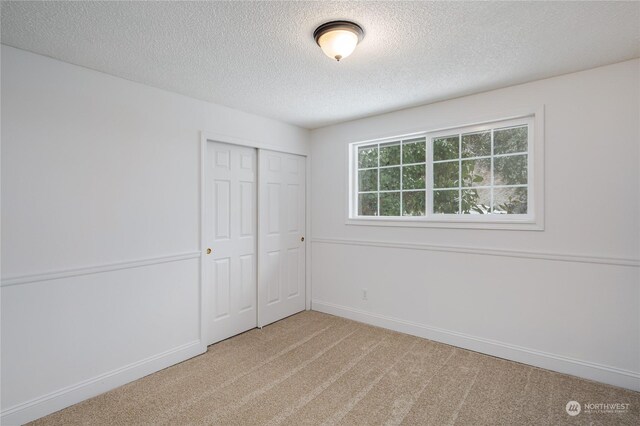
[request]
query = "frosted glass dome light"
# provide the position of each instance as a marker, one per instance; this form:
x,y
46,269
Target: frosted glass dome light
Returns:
x,y
338,39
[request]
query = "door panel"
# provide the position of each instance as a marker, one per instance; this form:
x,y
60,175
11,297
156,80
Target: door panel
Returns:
x,y
230,288
281,252
222,205
222,286
293,265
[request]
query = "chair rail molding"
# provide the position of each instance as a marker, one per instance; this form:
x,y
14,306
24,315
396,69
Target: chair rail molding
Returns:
x,y
486,251
97,269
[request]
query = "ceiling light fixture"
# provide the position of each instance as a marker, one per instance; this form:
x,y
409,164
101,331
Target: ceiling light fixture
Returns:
x,y
338,39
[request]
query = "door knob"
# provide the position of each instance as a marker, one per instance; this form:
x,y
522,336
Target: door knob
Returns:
x,y
208,251
302,239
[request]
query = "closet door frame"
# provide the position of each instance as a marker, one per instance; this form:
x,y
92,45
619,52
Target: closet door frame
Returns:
x,y
206,137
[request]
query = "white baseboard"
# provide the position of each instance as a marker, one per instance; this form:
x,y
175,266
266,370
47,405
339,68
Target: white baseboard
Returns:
x,y
575,367
62,398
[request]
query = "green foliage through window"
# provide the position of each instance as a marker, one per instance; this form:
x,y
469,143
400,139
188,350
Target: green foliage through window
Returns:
x,y
446,148
390,204
367,157
392,178
445,175
476,145
368,204
414,151
445,201
413,177
413,203
509,141
481,178
390,154
482,172
510,170
368,180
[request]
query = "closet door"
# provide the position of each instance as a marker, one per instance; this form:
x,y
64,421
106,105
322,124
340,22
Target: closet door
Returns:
x,y
281,246
230,277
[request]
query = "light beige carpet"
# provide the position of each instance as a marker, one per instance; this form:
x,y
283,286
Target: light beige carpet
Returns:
x,y
317,369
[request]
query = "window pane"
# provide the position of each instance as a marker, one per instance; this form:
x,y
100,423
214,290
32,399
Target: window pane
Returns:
x,y
368,180
480,172
390,154
476,144
445,201
507,141
413,203
445,148
476,172
368,204
413,177
445,175
476,201
390,204
510,200
511,170
367,156
390,179
413,152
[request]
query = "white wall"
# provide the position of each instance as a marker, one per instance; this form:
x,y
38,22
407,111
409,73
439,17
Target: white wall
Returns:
x,y
100,228
566,298
100,233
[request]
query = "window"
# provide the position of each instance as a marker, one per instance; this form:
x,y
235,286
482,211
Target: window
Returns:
x,y
474,174
391,178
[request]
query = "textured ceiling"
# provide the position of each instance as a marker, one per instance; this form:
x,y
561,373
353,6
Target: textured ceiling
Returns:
x,y
260,57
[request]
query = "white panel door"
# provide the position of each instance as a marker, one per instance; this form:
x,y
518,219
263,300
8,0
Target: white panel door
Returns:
x,y
230,233
281,252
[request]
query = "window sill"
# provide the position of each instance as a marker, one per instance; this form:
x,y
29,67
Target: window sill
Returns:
x,y
499,223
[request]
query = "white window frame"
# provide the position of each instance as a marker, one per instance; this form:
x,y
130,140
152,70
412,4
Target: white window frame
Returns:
x,y
533,220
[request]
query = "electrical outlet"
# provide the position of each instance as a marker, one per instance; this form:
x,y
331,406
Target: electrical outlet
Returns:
x,y
364,294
